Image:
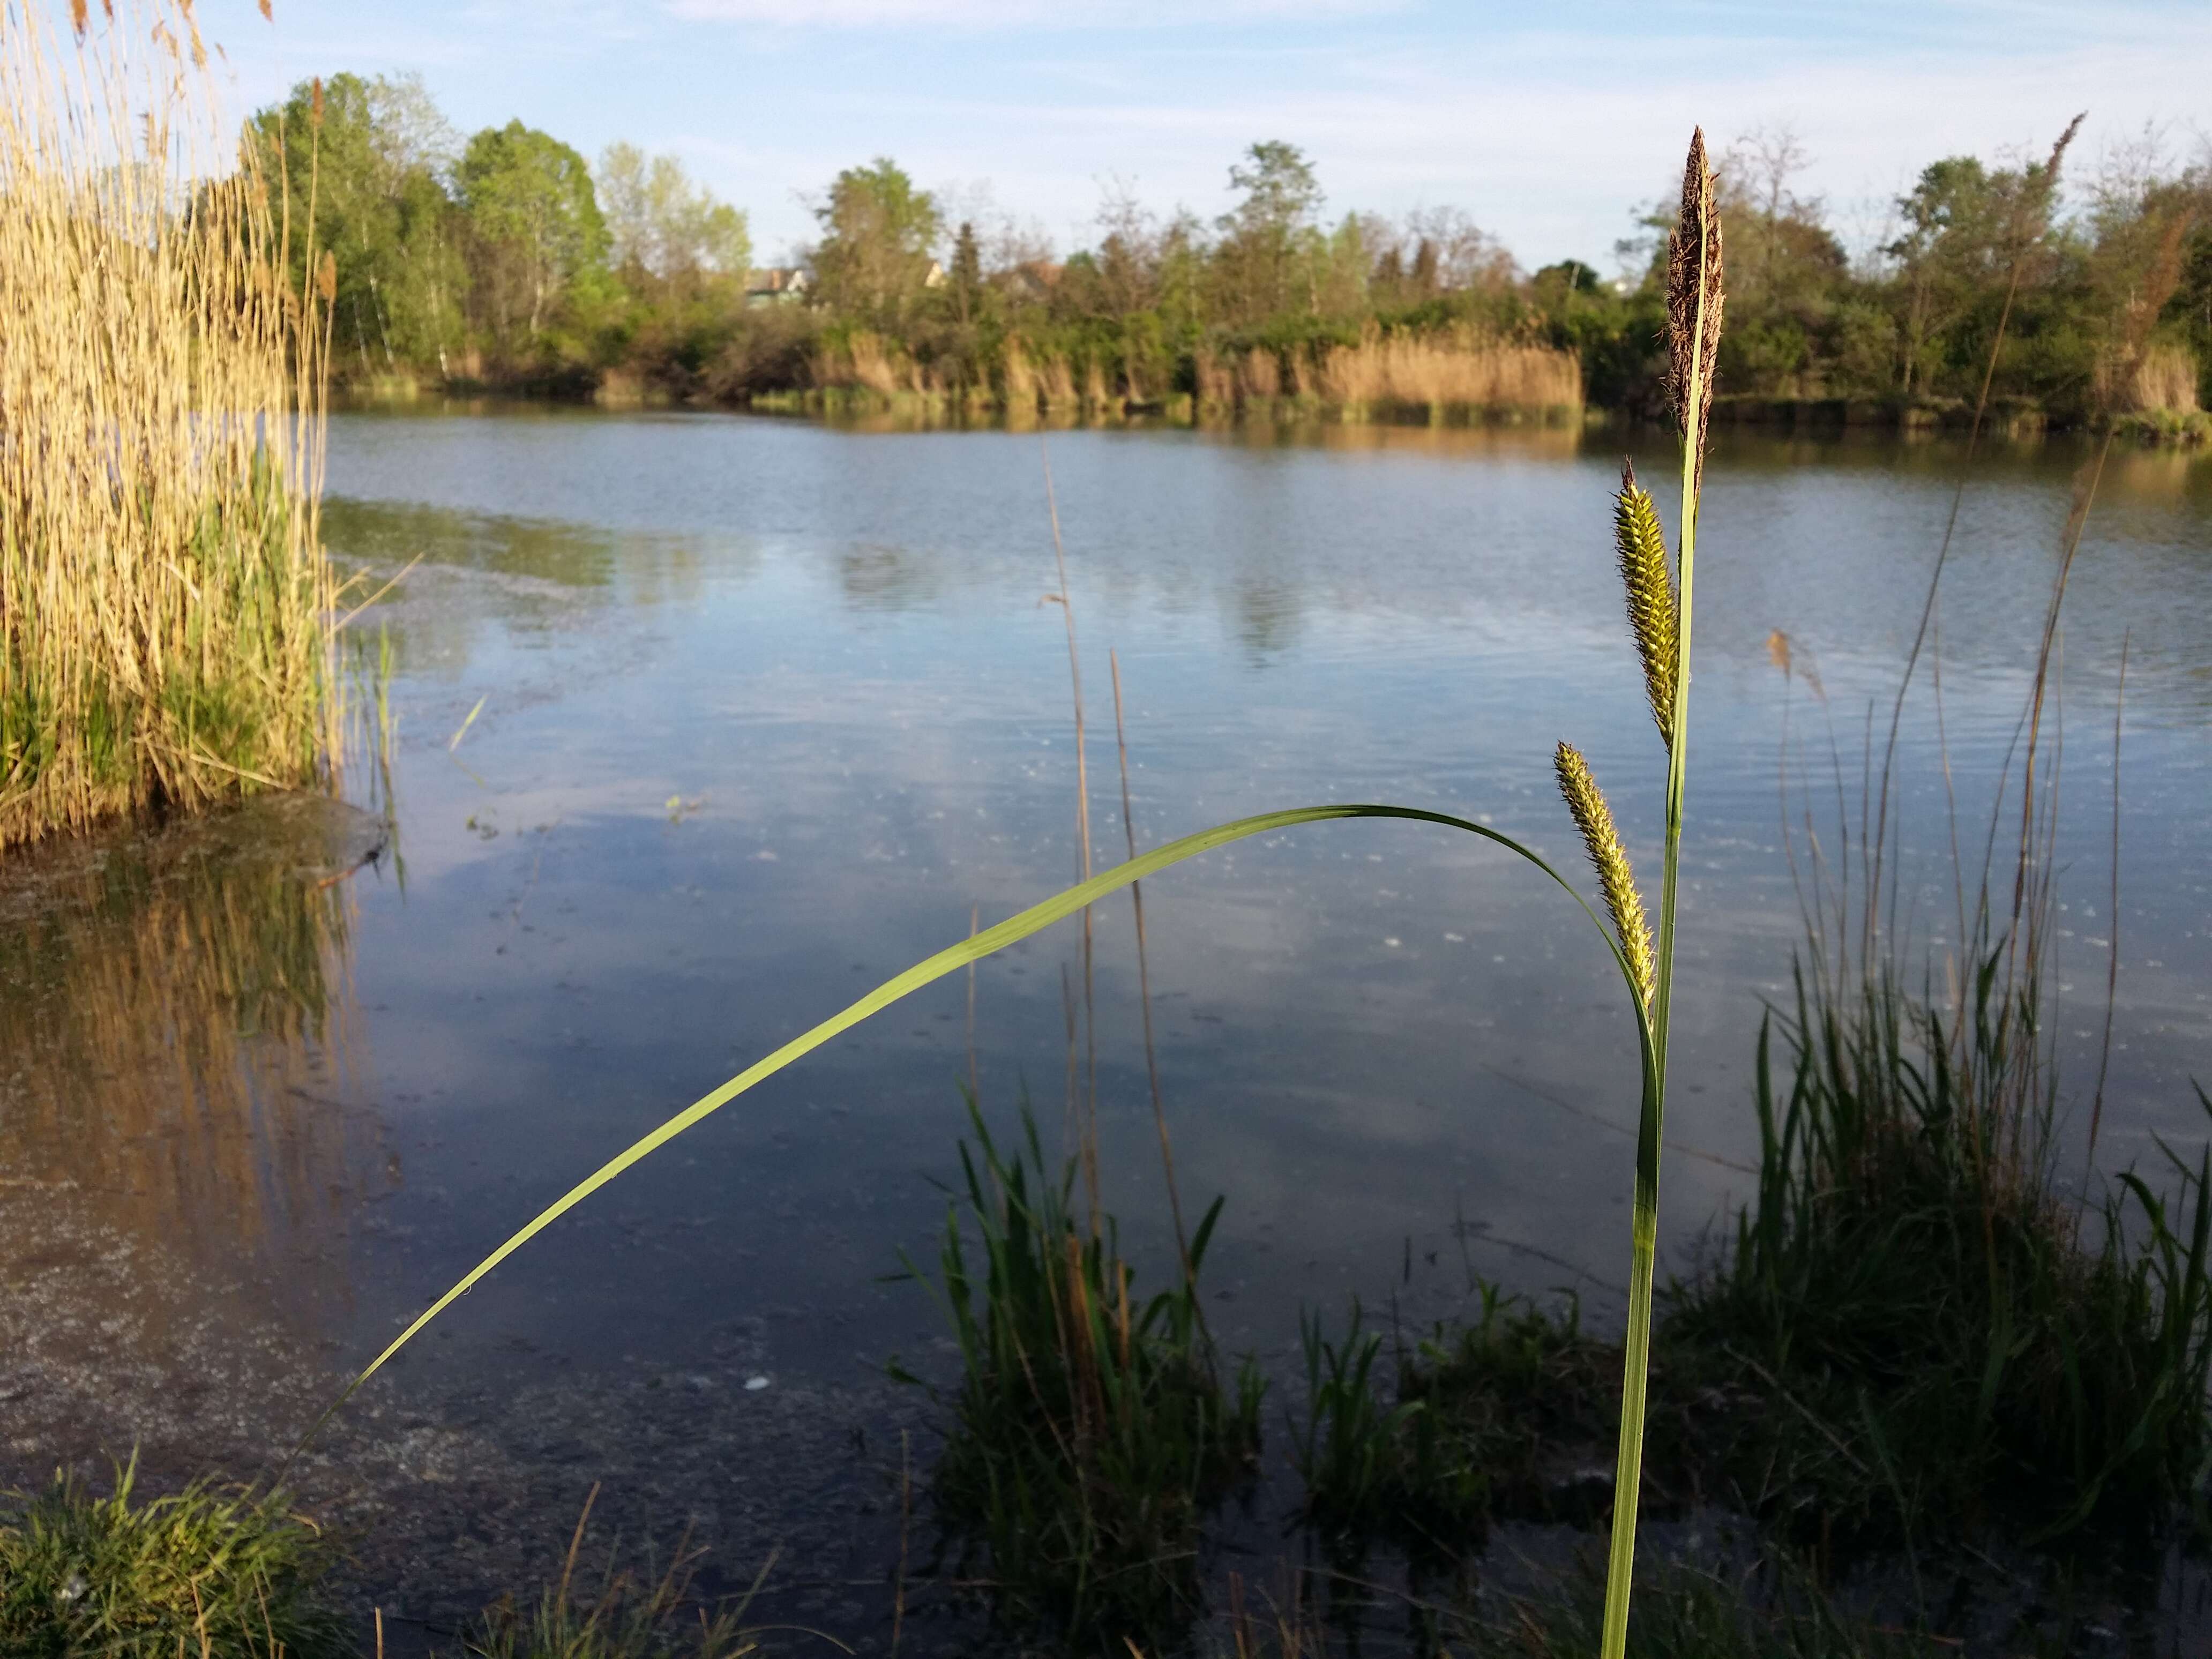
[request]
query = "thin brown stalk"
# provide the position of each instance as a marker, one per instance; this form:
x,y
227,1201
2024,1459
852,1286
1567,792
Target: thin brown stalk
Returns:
x,y
2077,519
974,1071
576,1544
1145,981
1074,1131
906,1520
2024,245
2113,957
1090,1144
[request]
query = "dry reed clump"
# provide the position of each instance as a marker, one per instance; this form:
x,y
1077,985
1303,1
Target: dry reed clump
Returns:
x,y
1260,375
2163,378
1020,380
165,633
1456,368
1056,383
1213,380
862,362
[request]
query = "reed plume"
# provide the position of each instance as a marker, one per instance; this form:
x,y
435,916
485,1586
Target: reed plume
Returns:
x,y
1586,801
1651,616
1693,300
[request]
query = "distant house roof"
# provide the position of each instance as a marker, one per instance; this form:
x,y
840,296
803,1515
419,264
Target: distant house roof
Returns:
x,y
934,277
1036,277
778,281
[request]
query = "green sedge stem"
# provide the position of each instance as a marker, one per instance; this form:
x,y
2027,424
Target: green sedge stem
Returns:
x,y
1643,1245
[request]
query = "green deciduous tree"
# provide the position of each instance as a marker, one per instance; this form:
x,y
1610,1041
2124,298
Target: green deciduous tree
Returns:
x,y
362,163
538,233
877,233
1270,252
664,231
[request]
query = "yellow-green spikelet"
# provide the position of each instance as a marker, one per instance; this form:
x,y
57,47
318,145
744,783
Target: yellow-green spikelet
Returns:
x,y
1652,616
1594,820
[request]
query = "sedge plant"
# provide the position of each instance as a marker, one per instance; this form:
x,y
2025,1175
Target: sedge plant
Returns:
x,y
1091,1428
1660,614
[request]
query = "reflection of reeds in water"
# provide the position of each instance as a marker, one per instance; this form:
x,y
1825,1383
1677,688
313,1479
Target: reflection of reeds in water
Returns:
x,y
174,1024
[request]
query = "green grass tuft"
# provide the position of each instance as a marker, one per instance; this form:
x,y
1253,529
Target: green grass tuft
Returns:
x,y
1092,1432
208,1573
630,1617
1941,1341
1684,1614
1499,1417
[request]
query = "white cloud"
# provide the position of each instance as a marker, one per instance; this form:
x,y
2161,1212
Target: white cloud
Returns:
x,y
1551,160
998,14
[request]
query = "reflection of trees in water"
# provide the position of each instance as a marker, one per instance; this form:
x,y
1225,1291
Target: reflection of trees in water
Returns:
x,y
1269,614
569,556
174,1016
876,577
545,572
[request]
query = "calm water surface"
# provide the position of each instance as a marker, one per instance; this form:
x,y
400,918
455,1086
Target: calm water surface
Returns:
x,y
769,710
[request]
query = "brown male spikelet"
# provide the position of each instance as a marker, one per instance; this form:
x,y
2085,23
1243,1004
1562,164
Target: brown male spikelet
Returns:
x,y
1651,605
1594,820
1693,300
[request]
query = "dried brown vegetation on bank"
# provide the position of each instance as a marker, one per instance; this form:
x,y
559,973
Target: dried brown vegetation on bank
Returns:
x,y
164,603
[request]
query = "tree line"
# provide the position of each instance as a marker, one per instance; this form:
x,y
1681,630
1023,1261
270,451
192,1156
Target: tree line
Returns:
x,y
508,260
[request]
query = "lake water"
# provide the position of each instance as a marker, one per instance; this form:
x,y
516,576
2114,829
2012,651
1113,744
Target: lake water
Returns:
x,y
765,710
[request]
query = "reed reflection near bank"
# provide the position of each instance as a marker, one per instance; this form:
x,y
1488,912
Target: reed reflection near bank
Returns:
x,y
175,1012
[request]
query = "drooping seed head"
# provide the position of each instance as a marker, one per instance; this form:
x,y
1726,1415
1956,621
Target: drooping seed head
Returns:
x,y
1644,574
1694,295
1607,856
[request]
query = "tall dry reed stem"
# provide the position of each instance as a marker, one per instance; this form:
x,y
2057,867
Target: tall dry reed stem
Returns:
x,y
1089,1127
1145,982
164,599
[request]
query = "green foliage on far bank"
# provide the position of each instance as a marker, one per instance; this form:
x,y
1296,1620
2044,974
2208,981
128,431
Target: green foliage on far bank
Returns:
x,y
505,259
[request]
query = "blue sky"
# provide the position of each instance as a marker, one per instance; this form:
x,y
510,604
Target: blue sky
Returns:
x,y
1548,123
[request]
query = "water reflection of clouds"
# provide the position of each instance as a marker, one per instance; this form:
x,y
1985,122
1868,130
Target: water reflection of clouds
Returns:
x,y
870,709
